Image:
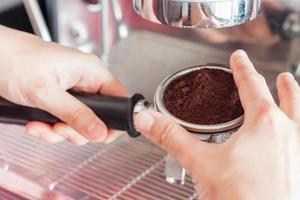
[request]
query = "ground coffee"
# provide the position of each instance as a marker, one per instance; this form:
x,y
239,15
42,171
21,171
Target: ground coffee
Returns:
x,y
207,97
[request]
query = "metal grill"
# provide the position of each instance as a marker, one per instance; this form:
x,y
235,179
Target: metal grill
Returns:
x,y
5,195
126,169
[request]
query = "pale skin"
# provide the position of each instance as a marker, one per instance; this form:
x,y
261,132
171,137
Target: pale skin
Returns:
x,y
37,74
260,161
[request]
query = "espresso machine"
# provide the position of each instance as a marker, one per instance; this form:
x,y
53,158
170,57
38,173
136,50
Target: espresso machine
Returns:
x,y
141,42
96,26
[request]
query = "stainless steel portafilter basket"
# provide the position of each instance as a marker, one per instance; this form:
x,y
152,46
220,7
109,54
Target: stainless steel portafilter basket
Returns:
x,y
198,13
195,128
217,133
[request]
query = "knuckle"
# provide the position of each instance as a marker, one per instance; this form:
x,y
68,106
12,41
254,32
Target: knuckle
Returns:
x,y
266,113
251,77
256,77
74,115
265,108
260,78
166,135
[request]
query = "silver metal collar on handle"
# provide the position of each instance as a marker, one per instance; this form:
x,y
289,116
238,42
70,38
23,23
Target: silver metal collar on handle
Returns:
x,y
198,13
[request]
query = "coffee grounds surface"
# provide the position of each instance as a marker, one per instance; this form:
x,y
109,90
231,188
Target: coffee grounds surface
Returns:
x,y
207,97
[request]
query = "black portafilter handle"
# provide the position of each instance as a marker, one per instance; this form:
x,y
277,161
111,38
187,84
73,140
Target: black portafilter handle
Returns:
x,y
116,112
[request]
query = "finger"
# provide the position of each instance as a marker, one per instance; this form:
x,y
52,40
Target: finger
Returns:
x,y
114,87
44,132
97,78
170,136
289,95
69,134
252,87
74,137
113,135
70,110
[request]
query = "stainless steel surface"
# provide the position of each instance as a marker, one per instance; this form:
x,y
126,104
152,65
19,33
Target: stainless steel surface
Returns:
x,y
292,4
87,26
291,26
141,106
6,195
196,128
174,172
21,186
127,169
295,58
150,57
37,19
78,24
105,41
97,28
198,13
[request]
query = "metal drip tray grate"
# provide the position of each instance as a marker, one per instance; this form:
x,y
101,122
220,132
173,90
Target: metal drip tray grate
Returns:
x,y
9,196
126,169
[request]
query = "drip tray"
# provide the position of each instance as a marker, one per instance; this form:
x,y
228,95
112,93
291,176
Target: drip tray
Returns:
x,y
126,169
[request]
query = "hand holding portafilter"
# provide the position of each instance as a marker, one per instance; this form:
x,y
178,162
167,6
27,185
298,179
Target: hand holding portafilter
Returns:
x,y
116,112
41,85
204,100
38,74
260,158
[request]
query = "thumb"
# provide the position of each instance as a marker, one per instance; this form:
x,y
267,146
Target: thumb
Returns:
x,y
170,136
70,110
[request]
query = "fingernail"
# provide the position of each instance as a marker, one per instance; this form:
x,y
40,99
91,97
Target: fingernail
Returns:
x,y
96,132
290,75
242,53
144,121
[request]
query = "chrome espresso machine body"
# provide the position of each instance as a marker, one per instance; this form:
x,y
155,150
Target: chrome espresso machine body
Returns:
x,y
96,25
142,42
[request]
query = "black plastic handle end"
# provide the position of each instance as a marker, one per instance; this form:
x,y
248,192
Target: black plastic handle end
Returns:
x,y
116,112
